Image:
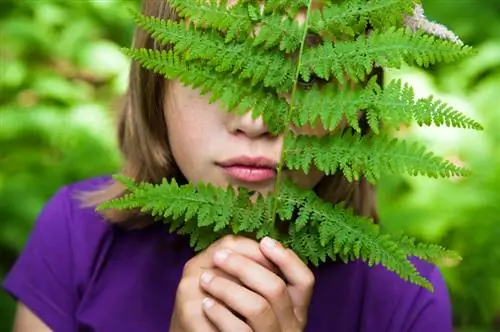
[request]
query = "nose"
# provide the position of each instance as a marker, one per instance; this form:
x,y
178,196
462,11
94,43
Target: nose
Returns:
x,y
246,124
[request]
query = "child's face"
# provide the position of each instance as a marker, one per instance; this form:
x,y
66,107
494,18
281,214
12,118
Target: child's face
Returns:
x,y
205,139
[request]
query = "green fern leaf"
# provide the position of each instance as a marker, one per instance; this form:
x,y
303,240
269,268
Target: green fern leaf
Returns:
x,y
429,252
352,17
233,94
259,66
370,156
393,106
396,105
242,55
339,231
284,32
290,5
389,49
232,20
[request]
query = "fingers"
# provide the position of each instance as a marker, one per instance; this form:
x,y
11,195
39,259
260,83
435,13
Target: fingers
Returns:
x,y
246,247
264,282
189,290
188,314
255,308
299,277
223,318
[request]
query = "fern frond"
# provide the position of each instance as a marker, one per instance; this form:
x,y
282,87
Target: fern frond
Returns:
x,y
389,49
257,65
393,106
276,30
330,104
370,156
333,231
233,20
430,252
239,21
240,54
291,5
330,231
352,17
233,95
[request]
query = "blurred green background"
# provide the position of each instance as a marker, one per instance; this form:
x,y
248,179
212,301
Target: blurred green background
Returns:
x,y
62,75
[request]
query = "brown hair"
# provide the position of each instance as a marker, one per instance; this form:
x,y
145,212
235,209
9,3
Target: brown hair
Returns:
x,y
143,140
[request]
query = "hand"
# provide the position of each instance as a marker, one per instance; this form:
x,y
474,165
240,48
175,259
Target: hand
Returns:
x,y
265,301
188,315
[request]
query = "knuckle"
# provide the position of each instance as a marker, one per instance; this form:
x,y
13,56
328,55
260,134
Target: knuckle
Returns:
x,y
260,310
228,241
185,285
309,280
278,290
188,267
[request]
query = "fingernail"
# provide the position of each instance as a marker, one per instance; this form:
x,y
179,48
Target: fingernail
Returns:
x,y
268,242
208,302
206,277
273,245
220,256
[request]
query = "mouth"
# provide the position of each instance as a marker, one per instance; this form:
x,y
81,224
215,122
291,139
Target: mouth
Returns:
x,y
250,169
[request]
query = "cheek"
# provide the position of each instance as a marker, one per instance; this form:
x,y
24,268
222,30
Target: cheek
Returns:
x,y
190,118
194,130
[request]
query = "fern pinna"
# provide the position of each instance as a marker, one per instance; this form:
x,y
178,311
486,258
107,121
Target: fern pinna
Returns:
x,y
251,55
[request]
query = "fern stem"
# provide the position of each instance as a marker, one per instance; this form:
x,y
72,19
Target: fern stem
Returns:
x,y
289,117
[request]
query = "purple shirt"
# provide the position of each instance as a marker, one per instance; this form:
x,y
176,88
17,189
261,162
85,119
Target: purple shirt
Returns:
x,y
79,273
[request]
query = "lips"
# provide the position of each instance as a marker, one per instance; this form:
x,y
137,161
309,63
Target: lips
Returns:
x,y
250,169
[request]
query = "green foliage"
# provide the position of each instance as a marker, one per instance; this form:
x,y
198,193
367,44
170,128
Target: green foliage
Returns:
x,y
352,17
463,214
42,147
61,71
369,156
392,106
222,51
231,94
206,213
388,48
261,66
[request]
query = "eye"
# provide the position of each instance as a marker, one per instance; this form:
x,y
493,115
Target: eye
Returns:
x,y
313,79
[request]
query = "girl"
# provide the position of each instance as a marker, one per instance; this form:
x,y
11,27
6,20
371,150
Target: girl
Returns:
x,y
82,271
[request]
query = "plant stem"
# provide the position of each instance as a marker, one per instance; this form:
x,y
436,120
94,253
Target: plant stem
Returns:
x,y
289,118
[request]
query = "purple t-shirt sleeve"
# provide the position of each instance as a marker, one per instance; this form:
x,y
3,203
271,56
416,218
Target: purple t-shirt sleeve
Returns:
x,y
431,311
405,307
43,276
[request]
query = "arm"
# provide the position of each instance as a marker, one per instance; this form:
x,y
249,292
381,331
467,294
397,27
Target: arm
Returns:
x,y
26,321
432,311
42,279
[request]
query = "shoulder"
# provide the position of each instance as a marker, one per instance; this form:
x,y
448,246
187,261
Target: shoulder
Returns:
x,y
78,216
69,223
89,233
357,297
66,207
65,242
403,306
66,225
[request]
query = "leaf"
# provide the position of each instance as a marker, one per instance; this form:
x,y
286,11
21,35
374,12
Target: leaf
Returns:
x,y
389,48
370,156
